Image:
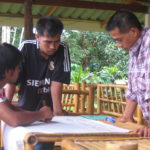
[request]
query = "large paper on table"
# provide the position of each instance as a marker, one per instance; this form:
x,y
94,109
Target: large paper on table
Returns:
x,y
13,136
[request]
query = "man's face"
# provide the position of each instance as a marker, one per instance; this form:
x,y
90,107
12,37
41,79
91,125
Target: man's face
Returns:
x,y
124,40
12,75
48,45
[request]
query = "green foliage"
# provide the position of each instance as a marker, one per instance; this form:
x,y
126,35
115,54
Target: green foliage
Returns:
x,y
97,55
88,48
110,74
105,75
15,34
78,74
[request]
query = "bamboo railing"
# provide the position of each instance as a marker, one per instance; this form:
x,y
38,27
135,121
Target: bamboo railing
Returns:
x,y
77,100
111,100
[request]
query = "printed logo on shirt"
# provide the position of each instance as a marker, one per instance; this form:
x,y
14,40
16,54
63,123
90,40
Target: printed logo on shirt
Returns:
x,y
43,90
51,65
37,83
43,86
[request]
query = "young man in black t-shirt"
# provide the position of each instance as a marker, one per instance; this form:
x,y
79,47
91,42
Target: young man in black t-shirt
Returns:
x,y
44,69
10,58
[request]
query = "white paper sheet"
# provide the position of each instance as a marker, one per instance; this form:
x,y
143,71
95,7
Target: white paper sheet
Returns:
x,y
13,137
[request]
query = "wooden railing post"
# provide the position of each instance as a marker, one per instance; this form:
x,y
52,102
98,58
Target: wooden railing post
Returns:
x,y
82,100
139,116
98,99
76,98
30,141
90,101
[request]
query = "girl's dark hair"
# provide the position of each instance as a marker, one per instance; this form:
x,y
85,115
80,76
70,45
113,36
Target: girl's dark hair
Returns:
x,y
10,57
123,20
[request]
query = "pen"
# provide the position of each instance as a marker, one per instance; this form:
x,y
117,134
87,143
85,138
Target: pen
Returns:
x,y
44,102
110,119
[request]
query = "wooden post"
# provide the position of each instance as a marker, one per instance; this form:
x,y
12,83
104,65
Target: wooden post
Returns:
x,y
98,99
90,101
70,145
82,101
147,18
76,98
121,146
28,20
139,116
30,141
28,147
5,34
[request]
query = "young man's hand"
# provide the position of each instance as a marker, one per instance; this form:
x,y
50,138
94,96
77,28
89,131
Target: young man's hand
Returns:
x,y
126,119
144,131
47,113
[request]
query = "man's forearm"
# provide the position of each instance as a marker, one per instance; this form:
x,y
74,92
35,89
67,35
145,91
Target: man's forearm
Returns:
x,y
129,111
9,91
56,93
15,118
130,108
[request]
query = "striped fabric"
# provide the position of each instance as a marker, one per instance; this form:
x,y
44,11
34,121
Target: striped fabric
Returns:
x,y
139,73
66,56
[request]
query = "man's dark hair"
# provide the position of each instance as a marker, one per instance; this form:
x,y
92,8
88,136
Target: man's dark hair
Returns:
x,y
123,20
49,25
10,57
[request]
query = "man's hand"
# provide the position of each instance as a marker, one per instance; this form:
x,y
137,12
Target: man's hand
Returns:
x,y
144,131
47,114
129,111
61,113
126,119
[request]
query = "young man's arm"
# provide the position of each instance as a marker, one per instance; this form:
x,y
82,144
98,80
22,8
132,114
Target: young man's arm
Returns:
x,y
10,90
61,74
16,118
56,93
129,111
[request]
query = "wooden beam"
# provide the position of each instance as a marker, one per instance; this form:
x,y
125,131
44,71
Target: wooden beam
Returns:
x,y
13,1
50,11
28,20
143,2
63,19
129,1
17,15
85,4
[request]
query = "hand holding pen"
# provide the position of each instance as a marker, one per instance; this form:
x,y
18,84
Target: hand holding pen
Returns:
x,y
47,112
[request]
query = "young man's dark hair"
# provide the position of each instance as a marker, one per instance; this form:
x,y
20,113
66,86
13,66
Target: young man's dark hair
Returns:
x,y
10,57
123,20
49,25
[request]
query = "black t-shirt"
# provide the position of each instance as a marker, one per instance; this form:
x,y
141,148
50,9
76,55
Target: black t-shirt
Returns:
x,y
37,73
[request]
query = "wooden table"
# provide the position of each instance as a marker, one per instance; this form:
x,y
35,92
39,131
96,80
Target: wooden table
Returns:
x,y
143,144
88,144
31,137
